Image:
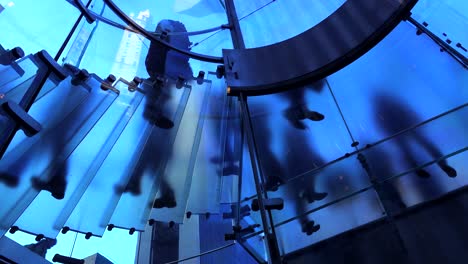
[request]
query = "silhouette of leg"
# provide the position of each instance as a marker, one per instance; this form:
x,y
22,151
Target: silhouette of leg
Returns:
x,y
9,179
294,189
134,184
297,109
157,98
435,153
167,198
56,183
270,165
404,146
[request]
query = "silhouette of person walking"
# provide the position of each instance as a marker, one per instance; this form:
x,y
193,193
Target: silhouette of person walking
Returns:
x,y
164,67
297,110
393,116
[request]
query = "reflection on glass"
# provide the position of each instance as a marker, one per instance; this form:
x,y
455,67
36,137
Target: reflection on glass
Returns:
x,y
281,20
335,219
82,166
389,70
28,24
40,162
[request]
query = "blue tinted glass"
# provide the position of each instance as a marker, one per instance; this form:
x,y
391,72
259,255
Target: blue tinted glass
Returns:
x,y
102,193
82,166
231,158
176,179
29,67
107,49
333,220
40,162
9,71
27,24
88,216
289,131
205,190
211,44
282,20
448,19
245,8
196,15
400,77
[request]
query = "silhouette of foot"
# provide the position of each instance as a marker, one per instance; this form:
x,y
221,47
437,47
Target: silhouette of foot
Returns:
x,y
132,188
231,170
165,201
55,187
294,118
9,180
163,122
451,172
310,227
314,116
423,174
272,183
315,196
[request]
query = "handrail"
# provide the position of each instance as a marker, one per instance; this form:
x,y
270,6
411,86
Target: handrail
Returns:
x,y
120,26
84,10
151,37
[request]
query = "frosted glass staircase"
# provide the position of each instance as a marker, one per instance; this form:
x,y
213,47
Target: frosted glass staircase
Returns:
x,y
97,162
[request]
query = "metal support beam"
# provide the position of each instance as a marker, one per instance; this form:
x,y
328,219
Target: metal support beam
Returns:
x,y
234,26
268,227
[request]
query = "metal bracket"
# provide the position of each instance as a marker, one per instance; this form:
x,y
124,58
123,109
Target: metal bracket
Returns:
x,y
26,122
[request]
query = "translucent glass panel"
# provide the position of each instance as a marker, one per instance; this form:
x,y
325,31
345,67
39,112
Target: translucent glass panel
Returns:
x,y
289,142
348,179
205,190
38,162
195,14
83,164
132,180
212,44
176,180
245,8
110,50
317,188
231,142
335,219
401,82
29,67
34,25
448,19
282,20
9,72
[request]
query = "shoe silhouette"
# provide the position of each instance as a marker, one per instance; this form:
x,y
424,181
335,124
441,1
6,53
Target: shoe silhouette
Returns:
x,y
423,174
314,116
273,182
163,122
9,180
165,201
314,196
55,187
451,172
231,170
310,227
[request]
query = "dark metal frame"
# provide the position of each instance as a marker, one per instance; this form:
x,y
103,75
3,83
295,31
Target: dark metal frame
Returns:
x,y
445,46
